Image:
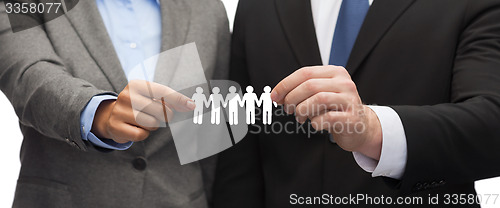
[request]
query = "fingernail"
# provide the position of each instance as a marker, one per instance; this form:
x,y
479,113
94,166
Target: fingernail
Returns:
x,y
190,104
274,96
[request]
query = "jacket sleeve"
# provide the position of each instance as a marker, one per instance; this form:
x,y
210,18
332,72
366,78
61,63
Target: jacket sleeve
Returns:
x,y
459,142
44,95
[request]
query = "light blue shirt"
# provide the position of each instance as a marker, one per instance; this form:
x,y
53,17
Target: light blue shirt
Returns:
x,y
134,27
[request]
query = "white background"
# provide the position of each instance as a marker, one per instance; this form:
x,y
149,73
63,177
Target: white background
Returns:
x,y
11,139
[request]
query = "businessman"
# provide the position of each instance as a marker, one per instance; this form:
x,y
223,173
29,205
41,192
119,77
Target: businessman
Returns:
x,y
68,82
421,77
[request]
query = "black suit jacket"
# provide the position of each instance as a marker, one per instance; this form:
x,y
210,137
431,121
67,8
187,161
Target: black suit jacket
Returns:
x,y
435,62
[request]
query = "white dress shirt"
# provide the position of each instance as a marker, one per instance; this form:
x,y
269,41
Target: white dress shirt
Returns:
x,y
394,151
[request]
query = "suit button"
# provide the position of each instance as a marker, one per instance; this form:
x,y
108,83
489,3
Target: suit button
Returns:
x,y
139,163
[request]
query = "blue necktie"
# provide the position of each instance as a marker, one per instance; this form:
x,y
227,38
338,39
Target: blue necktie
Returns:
x,y
351,16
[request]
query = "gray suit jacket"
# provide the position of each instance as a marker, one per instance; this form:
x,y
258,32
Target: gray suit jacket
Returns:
x,y
49,73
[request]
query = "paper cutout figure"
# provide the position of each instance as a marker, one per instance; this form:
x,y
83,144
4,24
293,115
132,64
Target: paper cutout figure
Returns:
x,y
215,100
199,100
233,99
233,102
250,100
267,105
180,69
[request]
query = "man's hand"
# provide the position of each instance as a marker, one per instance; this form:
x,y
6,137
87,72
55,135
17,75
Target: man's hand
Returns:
x,y
137,111
329,98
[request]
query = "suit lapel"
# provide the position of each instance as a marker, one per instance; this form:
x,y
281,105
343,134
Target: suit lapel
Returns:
x,y
87,21
296,19
175,23
381,16
176,17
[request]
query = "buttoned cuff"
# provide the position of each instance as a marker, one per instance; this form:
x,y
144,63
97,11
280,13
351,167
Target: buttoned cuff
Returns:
x,y
393,157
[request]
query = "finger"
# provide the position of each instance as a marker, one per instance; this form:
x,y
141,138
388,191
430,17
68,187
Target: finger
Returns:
x,y
146,121
157,91
161,112
153,108
178,101
140,119
295,79
313,86
121,131
332,121
171,98
120,141
320,103
124,113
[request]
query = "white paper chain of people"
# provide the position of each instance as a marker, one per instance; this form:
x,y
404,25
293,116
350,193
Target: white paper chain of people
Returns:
x,y
233,101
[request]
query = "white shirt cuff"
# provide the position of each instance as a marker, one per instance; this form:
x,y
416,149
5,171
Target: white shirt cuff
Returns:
x,y
392,161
